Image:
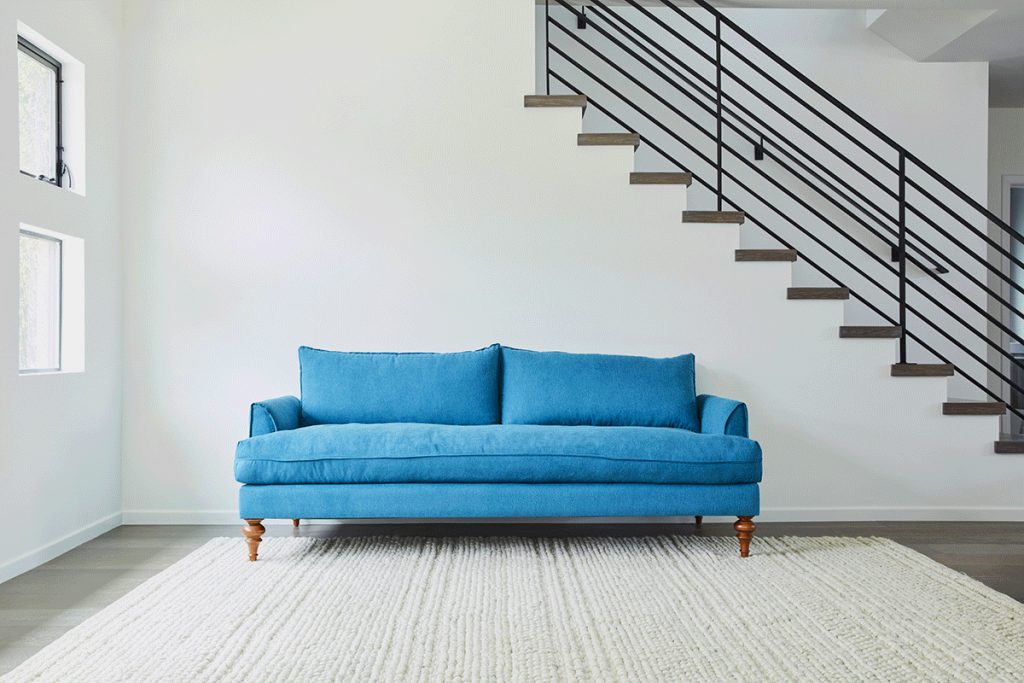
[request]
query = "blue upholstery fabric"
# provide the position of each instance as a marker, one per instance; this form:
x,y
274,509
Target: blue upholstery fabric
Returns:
x,y
276,414
442,388
722,416
360,501
390,453
553,388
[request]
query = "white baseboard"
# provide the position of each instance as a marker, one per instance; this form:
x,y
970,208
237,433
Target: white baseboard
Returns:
x,y
181,517
45,553
768,514
883,514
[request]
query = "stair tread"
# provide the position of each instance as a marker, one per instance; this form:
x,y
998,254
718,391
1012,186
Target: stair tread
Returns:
x,y
660,178
818,293
736,217
1010,445
592,139
554,100
921,370
766,254
973,408
869,332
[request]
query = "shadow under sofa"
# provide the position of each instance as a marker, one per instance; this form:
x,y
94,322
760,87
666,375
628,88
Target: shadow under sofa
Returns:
x,y
498,432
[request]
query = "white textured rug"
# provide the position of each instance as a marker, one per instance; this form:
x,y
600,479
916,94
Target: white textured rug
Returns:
x,y
513,609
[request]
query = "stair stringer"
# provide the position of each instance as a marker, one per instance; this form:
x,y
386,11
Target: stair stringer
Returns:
x,y
842,439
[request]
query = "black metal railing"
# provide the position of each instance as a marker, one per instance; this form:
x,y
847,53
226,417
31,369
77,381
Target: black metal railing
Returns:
x,y
820,176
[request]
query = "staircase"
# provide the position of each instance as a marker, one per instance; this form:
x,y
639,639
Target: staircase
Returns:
x,y
829,191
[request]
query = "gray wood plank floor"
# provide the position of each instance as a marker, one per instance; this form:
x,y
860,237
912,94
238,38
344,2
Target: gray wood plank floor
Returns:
x,y
39,606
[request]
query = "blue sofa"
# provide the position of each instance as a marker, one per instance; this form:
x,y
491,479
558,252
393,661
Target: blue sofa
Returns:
x,y
498,432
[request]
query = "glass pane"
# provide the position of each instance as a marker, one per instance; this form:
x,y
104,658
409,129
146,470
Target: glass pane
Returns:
x,y
39,330
37,116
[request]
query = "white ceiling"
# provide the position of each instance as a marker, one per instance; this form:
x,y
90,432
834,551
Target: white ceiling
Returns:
x,y
963,35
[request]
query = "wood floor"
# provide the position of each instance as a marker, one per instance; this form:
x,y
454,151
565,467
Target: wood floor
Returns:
x,y
39,606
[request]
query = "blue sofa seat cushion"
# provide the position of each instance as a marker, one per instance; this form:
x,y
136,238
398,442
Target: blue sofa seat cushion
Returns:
x,y
555,388
443,388
411,453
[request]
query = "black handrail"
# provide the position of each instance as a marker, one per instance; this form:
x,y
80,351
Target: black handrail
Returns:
x,y
730,113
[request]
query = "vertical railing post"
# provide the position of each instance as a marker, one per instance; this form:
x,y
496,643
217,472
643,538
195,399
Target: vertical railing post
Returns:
x,y
718,101
547,46
903,255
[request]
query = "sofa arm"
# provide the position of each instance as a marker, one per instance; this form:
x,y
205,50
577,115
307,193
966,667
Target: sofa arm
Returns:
x,y
722,415
274,415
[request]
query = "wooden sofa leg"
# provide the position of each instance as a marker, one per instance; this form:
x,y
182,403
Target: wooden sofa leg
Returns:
x,y
745,528
700,520
295,522
253,531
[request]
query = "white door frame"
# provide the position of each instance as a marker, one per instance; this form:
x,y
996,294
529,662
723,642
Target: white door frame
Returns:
x,y
1009,183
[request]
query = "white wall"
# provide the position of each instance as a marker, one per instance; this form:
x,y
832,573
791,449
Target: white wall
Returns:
x,y
60,435
363,176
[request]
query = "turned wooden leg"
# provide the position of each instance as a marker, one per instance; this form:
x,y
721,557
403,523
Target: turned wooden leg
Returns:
x,y
253,531
295,522
745,528
700,520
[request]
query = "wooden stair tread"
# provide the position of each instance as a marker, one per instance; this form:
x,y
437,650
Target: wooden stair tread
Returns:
x,y
592,139
660,178
736,217
921,370
817,293
1010,446
555,101
766,254
973,408
869,332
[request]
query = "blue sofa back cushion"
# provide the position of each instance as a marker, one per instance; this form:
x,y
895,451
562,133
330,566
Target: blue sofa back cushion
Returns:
x,y
553,388
439,388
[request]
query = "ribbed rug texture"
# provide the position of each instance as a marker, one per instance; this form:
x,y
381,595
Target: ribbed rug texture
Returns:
x,y
672,608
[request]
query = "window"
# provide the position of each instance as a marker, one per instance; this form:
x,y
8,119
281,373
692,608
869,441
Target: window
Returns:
x,y
40,303
39,113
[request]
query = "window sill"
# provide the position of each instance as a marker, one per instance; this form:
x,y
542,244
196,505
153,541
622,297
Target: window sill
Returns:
x,y
50,183
44,373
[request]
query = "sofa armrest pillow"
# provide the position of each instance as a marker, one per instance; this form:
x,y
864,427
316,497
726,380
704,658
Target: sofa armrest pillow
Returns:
x,y
554,388
439,388
274,415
